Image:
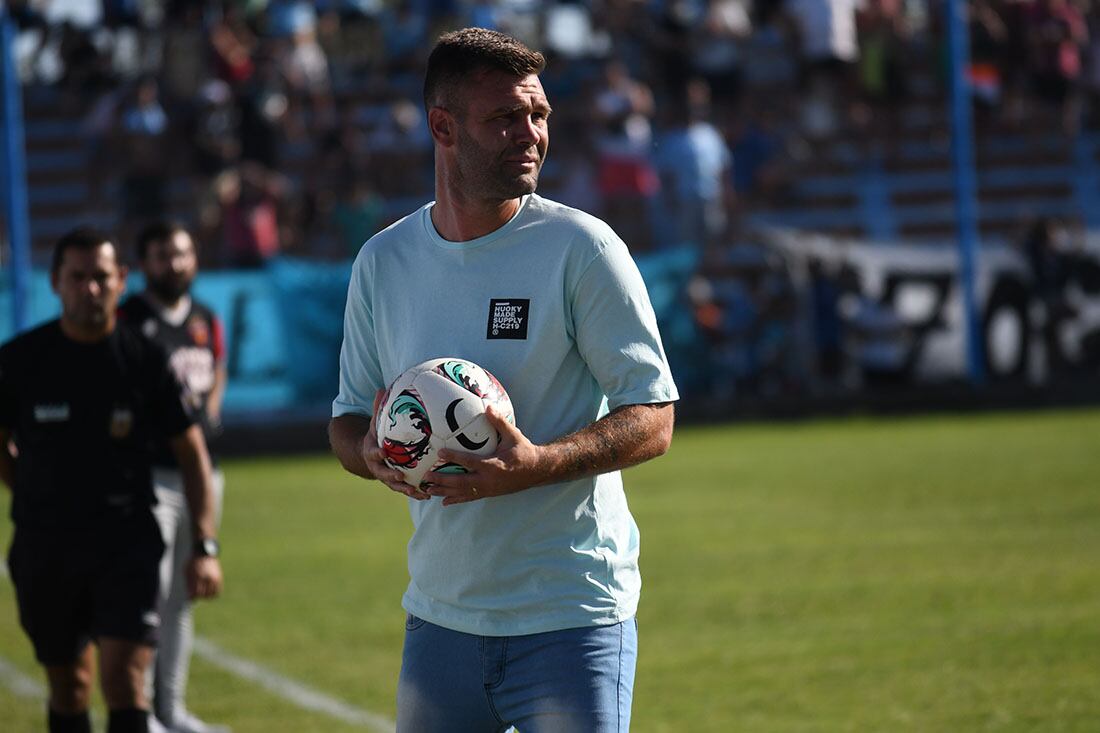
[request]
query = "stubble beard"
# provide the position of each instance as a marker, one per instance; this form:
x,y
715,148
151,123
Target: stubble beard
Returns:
x,y
482,172
88,317
170,289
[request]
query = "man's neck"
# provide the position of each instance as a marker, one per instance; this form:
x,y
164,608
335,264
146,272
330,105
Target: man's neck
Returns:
x,y
458,219
91,335
160,302
175,312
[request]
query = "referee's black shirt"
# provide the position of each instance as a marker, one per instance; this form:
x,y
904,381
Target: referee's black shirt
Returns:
x,y
81,416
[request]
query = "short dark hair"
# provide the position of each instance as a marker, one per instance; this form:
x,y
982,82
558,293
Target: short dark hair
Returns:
x,y
79,238
460,53
158,231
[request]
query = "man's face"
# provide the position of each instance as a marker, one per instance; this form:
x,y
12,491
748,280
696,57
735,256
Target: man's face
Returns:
x,y
502,135
169,266
89,283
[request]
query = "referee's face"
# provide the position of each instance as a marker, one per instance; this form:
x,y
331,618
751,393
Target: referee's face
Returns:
x,y
89,283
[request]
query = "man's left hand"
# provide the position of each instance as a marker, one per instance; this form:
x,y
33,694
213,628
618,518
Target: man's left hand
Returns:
x,y
204,577
513,467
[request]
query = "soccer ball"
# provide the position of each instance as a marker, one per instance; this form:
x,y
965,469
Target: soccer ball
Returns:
x,y
439,404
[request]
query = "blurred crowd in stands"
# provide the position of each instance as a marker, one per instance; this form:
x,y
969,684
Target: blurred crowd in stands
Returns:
x,y
287,126
301,122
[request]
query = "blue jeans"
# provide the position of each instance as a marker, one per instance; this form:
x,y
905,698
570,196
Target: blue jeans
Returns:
x,y
560,681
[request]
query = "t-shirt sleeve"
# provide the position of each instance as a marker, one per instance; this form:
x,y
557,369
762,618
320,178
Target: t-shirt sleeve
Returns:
x,y
170,415
616,331
9,408
360,371
217,341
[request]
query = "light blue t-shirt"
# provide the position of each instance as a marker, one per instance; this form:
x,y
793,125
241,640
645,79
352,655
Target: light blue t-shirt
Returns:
x,y
552,304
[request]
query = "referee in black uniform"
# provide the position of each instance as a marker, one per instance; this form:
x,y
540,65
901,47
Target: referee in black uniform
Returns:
x,y
78,399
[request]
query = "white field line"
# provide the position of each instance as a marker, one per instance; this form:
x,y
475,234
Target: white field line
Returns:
x,y
10,677
283,687
20,684
29,688
288,689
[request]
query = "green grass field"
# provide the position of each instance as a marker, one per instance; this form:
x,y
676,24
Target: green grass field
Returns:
x,y
919,574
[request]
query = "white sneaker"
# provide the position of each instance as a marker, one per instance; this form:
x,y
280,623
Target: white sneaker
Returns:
x,y
155,726
188,723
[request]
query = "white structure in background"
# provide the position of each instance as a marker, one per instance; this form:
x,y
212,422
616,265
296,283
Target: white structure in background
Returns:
x,y
907,307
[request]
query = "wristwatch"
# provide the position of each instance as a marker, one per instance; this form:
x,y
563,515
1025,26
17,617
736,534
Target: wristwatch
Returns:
x,y
207,547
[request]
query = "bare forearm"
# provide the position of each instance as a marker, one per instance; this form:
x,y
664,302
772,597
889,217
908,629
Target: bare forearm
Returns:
x,y
217,395
627,436
624,437
345,435
204,572
194,461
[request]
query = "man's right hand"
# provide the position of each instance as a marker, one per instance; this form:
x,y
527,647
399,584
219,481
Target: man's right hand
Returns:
x,y
375,457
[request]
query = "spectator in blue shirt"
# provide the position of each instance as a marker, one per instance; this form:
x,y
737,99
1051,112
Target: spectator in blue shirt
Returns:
x,y
694,163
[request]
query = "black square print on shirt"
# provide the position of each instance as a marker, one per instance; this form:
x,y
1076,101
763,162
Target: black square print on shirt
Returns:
x,y
508,318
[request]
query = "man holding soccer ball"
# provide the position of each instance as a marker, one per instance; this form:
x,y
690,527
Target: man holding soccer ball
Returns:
x,y
524,570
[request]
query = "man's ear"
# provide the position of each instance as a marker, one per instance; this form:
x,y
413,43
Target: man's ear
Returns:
x,y
442,124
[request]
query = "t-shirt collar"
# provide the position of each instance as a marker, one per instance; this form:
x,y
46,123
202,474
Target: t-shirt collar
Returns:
x,y
426,214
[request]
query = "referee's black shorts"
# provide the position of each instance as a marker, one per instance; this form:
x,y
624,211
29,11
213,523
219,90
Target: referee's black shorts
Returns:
x,y
73,587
